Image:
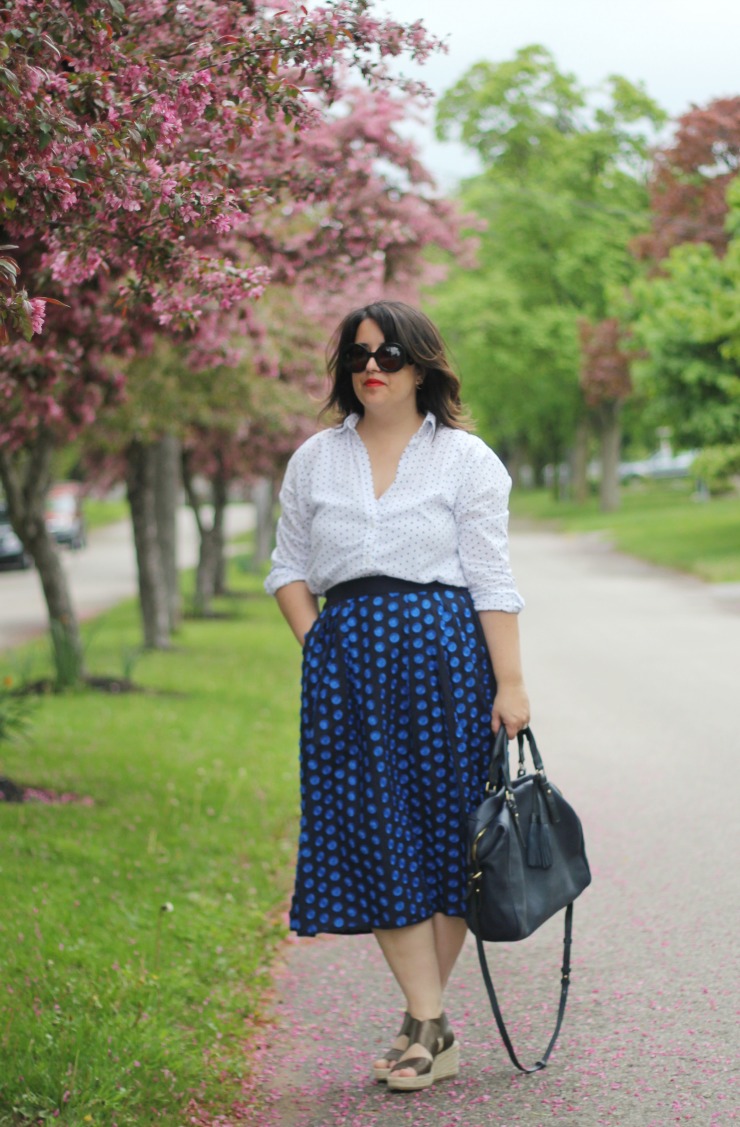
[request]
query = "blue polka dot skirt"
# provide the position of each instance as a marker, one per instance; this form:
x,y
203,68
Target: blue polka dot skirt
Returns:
x,y
397,691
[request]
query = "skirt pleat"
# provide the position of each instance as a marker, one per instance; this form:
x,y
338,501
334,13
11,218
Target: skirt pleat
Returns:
x,y
397,690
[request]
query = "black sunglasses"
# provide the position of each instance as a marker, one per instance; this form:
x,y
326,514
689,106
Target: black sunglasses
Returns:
x,y
389,357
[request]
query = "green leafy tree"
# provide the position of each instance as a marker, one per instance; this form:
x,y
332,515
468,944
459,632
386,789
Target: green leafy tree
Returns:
x,y
562,194
686,324
496,345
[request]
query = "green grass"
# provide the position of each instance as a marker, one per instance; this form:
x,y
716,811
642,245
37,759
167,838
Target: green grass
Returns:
x,y
99,513
659,522
113,1009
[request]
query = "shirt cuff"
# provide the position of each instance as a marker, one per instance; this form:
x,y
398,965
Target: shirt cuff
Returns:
x,y
509,601
281,577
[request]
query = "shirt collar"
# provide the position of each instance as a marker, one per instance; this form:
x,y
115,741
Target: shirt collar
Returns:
x,y
430,423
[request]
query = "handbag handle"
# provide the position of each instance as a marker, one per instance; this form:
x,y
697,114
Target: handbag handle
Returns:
x,y
499,774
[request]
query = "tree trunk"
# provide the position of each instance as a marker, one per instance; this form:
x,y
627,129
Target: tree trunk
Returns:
x,y
26,477
263,498
153,597
538,470
220,586
166,490
611,435
220,492
559,474
205,574
580,462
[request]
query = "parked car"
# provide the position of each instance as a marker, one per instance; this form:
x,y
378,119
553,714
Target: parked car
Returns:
x,y
12,552
660,464
65,519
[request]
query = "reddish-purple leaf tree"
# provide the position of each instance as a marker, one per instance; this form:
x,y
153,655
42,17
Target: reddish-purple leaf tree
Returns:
x,y
690,177
606,383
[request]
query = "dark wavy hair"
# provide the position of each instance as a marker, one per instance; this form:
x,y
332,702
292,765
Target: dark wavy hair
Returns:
x,y
412,329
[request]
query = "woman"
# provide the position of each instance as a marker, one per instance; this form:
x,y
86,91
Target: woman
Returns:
x,y
399,516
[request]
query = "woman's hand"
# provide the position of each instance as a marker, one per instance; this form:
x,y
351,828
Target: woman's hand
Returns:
x,y
299,607
510,708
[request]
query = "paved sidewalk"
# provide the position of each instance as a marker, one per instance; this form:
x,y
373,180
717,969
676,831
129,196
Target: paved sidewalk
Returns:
x,y
634,678
100,575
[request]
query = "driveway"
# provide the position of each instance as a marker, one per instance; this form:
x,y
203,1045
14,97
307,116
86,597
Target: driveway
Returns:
x,y
634,675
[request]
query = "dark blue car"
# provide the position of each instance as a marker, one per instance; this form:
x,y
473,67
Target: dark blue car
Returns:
x,y
12,552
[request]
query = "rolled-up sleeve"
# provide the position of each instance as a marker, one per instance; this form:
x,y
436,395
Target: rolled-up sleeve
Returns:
x,y
482,519
290,559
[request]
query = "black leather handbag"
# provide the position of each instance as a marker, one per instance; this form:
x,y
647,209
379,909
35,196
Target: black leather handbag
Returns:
x,y
526,861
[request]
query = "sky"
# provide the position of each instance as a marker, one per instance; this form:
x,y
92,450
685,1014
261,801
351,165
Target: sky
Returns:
x,y
684,51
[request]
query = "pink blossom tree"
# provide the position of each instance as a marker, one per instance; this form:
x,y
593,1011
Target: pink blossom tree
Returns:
x,y
222,456
20,315
135,163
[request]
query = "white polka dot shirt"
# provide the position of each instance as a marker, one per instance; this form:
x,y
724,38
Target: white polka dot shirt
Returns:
x,y
444,518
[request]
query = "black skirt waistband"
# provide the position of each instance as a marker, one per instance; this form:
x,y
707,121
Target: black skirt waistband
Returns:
x,y
384,585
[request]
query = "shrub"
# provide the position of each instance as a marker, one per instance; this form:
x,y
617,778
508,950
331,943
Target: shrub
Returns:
x,y
716,466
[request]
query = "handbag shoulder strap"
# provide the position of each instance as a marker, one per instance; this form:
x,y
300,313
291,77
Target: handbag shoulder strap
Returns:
x,y
564,984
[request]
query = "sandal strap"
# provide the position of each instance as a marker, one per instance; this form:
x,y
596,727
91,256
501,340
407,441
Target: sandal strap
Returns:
x,y
428,1034
420,1065
395,1054
447,1035
434,1034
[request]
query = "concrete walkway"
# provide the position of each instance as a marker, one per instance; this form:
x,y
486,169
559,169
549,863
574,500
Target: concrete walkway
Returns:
x,y
634,675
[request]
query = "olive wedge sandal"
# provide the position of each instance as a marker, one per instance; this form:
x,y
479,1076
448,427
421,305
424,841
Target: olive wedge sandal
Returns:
x,y
436,1036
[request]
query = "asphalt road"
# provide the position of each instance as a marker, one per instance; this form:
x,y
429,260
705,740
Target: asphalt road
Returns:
x,y
634,675
100,575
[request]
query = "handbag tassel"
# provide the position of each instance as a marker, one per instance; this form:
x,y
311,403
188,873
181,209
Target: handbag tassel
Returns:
x,y
539,848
